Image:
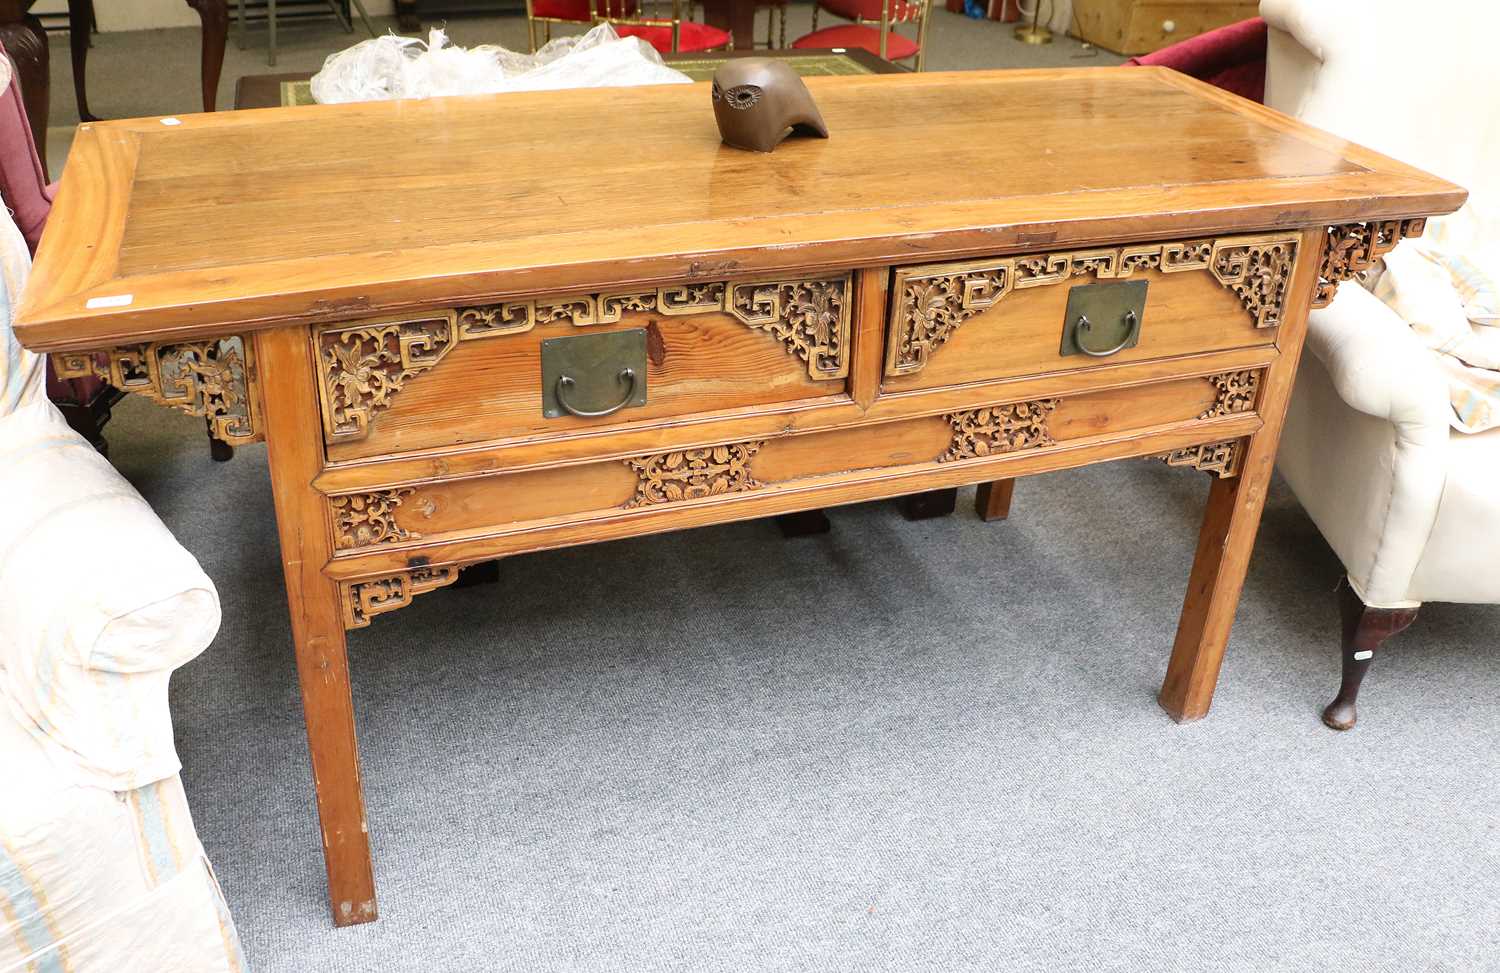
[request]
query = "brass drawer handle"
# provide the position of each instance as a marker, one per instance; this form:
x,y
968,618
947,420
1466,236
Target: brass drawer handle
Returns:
x,y
565,382
1132,327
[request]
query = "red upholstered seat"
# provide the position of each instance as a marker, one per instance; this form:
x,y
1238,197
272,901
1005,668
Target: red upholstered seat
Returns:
x,y
901,11
562,10
692,36
865,38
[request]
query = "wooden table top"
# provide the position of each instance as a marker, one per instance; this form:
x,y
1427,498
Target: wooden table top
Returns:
x,y
257,218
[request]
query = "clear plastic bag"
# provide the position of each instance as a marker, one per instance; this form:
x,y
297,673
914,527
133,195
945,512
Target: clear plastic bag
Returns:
x,y
392,67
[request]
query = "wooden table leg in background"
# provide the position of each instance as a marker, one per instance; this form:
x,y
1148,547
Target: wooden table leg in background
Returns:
x,y
1232,517
215,17
26,43
292,428
735,16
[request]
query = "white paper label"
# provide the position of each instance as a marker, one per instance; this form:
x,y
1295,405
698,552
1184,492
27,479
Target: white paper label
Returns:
x,y
171,121
118,300
1364,654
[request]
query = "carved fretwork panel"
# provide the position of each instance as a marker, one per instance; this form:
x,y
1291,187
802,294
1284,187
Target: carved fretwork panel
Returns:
x,y
809,317
1220,459
1235,393
211,378
691,474
999,429
368,519
363,366
363,600
930,303
1350,249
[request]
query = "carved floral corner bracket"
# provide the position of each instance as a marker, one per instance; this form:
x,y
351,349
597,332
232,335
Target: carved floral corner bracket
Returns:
x,y
1234,392
212,378
1350,249
693,474
361,367
932,303
1220,459
999,429
369,519
363,600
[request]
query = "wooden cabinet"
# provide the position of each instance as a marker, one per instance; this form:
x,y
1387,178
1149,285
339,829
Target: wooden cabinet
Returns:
x,y
1143,26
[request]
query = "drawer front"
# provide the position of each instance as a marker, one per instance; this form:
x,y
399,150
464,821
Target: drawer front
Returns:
x,y
954,323
475,374
518,502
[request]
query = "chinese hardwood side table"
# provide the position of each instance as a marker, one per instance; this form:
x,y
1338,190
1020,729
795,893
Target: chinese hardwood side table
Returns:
x,y
466,356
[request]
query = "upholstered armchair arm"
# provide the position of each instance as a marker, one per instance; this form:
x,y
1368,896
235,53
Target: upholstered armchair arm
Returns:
x,y
98,604
1379,367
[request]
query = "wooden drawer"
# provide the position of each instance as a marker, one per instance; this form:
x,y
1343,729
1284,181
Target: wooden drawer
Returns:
x,y
957,323
473,374
521,506
1142,26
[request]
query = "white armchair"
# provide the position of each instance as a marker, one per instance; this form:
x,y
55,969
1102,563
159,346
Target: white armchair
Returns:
x,y
100,868
1410,506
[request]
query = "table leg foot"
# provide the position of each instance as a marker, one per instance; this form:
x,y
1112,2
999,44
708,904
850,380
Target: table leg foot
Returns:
x,y
933,503
803,523
1365,630
992,500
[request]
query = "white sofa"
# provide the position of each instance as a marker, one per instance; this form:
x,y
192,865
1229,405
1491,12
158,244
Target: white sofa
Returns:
x,y
101,870
1411,506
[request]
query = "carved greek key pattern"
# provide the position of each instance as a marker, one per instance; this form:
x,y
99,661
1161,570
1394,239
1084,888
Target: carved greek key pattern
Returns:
x,y
692,474
210,378
1220,459
1236,393
809,317
363,366
363,600
999,429
369,519
1350,249
932,302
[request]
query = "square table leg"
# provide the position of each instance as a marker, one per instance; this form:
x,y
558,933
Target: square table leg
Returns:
x,y
1232,517
292,425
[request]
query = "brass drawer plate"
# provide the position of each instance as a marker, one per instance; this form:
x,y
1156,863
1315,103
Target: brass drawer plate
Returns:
x,y
1103,318
594,375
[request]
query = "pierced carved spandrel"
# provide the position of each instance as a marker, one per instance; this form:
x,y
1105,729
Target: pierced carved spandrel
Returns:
x,y
693,474
809,317
1259,272
493,320
212,379
999,429
364,366
363,600
932,302
1234,393
369,519
1350,249
1220,459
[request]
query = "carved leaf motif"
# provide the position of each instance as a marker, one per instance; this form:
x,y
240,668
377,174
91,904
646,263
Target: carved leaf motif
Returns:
x,y
999,429
1258,273
202,378
363,367
1350,249
367,519
809,317
693,474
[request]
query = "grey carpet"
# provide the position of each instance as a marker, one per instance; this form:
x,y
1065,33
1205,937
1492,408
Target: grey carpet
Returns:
x,y
900,746
929,746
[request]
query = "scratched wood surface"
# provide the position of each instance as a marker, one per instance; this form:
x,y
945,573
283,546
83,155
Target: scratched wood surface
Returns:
x,y
265,217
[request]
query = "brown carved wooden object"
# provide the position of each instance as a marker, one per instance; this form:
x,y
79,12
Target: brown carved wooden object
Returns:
x,y
1365,630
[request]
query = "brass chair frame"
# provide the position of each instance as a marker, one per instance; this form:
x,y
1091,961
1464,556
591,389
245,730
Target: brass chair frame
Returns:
x,y
887,24
601,10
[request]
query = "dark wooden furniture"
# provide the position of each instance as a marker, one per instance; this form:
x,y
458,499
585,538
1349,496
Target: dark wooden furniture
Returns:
x,y
1142,26
26,42
442,385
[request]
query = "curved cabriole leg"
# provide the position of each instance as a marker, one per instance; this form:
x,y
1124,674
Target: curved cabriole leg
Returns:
x,y
1365,629
215,17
